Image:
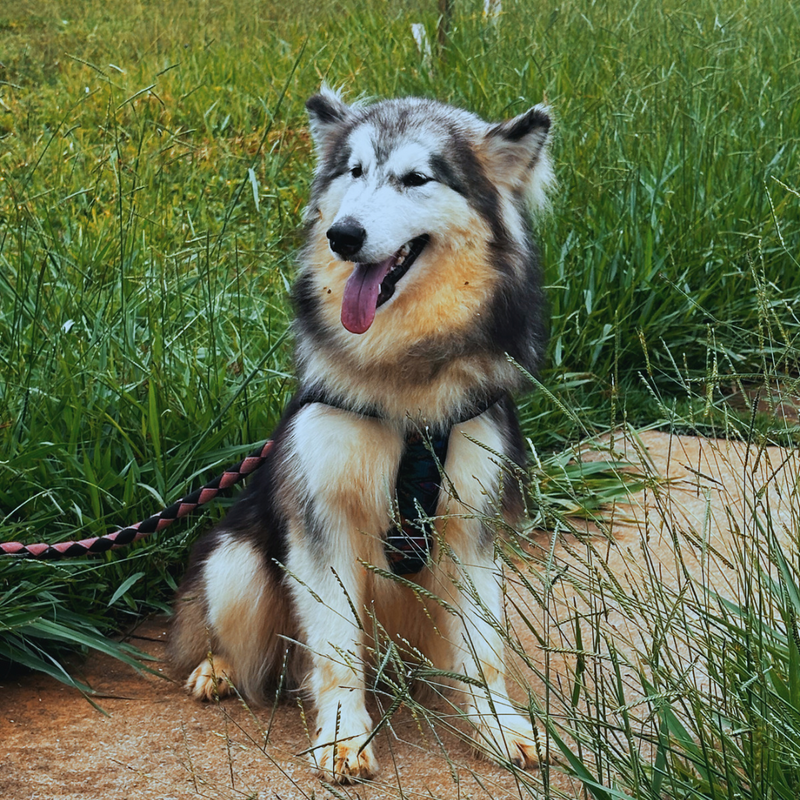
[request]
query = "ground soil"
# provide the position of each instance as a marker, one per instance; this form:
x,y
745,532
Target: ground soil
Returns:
x,y
151,741
155,742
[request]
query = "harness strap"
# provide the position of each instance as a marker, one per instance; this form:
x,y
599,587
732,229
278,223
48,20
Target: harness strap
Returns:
x,y
409,544
316,394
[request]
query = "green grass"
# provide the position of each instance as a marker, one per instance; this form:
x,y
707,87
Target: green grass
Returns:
x,y
679,687
154,163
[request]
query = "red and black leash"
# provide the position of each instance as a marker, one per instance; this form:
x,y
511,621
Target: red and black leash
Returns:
x,y
182,508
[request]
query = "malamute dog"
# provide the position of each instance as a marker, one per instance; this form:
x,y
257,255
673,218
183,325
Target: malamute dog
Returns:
x,y
419,284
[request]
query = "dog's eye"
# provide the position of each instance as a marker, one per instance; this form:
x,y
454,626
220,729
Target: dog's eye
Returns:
x,y
357,171
415,179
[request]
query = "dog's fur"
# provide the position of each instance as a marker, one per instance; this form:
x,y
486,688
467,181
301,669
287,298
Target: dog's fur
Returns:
x,y
295,558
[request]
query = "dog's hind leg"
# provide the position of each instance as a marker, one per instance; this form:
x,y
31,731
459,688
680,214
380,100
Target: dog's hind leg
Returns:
x,y
211,679
226,622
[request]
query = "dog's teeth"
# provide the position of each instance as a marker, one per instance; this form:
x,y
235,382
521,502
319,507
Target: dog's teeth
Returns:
x,y
404,251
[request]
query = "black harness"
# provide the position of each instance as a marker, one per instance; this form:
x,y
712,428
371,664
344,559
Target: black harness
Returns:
x,y
409,543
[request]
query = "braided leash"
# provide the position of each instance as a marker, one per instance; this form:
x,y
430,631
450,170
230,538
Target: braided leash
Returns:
x,y
124,536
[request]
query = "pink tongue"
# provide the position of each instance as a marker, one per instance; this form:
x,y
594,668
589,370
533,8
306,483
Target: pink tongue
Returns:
x,y
360,300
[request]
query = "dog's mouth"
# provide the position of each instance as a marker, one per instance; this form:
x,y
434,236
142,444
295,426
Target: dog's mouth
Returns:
x,y
371,285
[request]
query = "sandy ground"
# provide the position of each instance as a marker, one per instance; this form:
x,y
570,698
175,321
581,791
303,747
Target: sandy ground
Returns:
x,y
157,743
154,742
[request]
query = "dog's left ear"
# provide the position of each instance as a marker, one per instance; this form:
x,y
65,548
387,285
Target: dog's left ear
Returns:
x,y
326,112
517,155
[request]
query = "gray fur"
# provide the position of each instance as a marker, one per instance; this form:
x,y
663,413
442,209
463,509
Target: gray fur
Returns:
x,y
286,562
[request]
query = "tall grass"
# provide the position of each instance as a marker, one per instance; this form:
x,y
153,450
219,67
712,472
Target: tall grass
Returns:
x,y
154,162
678,676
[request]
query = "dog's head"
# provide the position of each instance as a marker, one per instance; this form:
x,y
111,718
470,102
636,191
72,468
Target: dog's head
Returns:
x,y
416,198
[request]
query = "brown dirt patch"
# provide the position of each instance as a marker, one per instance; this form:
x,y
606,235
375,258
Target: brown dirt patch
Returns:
x,y
155,742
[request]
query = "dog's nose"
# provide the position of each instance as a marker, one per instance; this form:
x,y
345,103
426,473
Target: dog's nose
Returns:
x,y
347,237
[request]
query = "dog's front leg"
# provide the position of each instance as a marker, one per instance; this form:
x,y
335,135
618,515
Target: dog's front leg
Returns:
x,y
469,578
328,590
344,466
479,653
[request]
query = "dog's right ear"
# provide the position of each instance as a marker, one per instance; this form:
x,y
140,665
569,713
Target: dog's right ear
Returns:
x,y
326,112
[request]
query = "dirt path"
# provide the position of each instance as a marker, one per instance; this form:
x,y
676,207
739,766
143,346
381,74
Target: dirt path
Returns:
x,y
157,743
154,742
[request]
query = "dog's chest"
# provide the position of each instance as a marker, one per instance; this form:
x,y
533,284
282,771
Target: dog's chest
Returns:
x,y
364,479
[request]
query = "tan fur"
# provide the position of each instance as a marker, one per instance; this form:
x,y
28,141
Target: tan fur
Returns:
x,y
347,760
447,385
431,351
239,621
190,641
355,481
448,302
212,679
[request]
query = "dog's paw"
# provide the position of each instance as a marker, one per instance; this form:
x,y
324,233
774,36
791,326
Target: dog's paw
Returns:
x,y
344,759
210,680
508,739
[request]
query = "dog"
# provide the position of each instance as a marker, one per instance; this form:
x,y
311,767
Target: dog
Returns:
x,y
418,299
